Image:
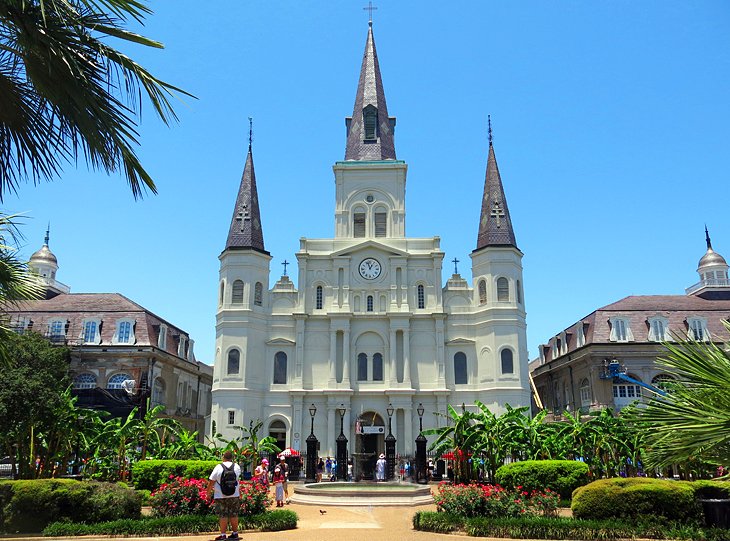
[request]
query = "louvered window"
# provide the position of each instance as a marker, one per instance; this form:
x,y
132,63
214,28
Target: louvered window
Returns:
x,y
237,295
482,292
370,118
258,294
380,224
359,223
502,289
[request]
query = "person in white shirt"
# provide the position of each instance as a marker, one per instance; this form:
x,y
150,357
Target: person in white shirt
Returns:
x,y
226,505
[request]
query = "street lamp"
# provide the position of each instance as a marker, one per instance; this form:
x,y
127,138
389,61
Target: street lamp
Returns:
x,y
312,448
390,445
420,448
342,446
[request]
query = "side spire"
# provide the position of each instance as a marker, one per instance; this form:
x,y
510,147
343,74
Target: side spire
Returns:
x,y
707,239
370,129
48,234
246,231
495,225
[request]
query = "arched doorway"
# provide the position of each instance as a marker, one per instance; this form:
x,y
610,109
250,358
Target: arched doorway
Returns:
x,y
277,430
369,443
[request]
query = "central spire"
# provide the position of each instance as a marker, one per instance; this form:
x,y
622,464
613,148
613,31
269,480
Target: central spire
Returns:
x,y
370,129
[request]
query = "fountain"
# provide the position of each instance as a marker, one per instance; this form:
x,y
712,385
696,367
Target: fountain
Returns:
x,y
362,493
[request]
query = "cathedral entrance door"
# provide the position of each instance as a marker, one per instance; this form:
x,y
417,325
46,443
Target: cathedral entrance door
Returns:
x,y
370,443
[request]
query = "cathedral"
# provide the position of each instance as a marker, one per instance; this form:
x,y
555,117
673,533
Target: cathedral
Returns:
x,y
369,340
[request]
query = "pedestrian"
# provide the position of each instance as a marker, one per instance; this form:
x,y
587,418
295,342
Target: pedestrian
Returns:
x,y
223,486
380,468
402,470
349,470
328,466
278,480
285,470
320,470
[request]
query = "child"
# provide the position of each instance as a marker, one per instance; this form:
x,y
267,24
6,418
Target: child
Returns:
x,y
279,484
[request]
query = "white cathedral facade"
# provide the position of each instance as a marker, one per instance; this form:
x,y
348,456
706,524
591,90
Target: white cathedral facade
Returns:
x,y
370,325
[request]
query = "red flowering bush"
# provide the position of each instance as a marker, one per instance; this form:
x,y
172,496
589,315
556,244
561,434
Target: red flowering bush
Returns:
x,y
181,496
254,498
494,501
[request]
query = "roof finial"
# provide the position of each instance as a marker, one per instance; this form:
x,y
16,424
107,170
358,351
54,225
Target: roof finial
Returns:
x,y
489,122
370,7
707,239
250,132
48,234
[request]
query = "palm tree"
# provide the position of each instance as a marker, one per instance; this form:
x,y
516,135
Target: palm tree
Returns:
x,y
17,283
692,422
150,428
66,92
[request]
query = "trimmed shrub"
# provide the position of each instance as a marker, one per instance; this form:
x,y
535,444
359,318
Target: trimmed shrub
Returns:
x,y
494,501
272,521
636,497
151,474
561,476
428,521
29,505
711,489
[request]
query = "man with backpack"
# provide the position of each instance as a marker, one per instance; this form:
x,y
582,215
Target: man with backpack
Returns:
x,y
223,486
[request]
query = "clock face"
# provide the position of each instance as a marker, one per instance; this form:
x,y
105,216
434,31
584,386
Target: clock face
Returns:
x,y
370,268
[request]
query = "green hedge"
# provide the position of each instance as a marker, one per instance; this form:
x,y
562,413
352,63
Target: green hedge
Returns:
x,y
636,497
29,505
150,474
271,521
561,476
561,528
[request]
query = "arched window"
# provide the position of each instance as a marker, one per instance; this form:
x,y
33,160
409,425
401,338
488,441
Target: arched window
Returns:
x,y
258,293
280,368
502,289
85,381
421,294
460,374
519,292
362,367
507,361
234,362
158,392
370,303
377,367
319,298
358,229
220,296
115,382
663,382
482,292
237,292
370,121
585,394
381,221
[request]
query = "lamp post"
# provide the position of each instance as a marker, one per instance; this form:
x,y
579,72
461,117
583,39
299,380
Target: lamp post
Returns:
x,y
420,448
312,448
390,445
341,447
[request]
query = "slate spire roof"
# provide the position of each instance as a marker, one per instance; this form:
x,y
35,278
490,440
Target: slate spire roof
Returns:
x,y
362,144
246,231
495,225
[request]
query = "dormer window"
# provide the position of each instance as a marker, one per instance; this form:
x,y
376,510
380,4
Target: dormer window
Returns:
x,y
370,121
124,332
698,329
90,331
658,329
620,330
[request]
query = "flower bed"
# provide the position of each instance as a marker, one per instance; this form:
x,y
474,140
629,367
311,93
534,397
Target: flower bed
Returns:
x,y
180,496
494,501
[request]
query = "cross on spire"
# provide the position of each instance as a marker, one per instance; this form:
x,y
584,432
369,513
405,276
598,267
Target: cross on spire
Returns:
x,y
48,234
497,213
707,239
489,123
455,261
250,132
370,8
285,263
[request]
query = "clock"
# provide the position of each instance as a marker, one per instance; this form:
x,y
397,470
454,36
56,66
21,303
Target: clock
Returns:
x,y
370,268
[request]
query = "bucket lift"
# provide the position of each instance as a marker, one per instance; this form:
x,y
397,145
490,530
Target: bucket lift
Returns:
x,y
613,369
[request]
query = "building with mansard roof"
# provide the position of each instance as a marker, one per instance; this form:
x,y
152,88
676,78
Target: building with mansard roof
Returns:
x,y
113,339
370,322
572,373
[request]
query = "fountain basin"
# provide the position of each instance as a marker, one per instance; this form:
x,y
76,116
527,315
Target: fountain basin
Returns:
x,y
362,493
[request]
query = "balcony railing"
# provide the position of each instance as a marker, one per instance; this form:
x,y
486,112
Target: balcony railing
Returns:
x,y
714,282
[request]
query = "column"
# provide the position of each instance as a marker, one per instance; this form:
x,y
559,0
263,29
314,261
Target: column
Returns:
x,y
393,364
333,358
407,358
299,353
332,427
440,352
346,358
409,437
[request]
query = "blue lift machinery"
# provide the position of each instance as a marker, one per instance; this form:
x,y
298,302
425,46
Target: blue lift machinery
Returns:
x,y
612,369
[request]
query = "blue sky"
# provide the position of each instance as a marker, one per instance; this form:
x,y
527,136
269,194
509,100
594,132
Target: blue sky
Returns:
x,y
610,129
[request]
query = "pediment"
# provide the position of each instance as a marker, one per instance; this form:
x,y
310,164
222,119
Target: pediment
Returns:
x,y
280,342
369,245
459,341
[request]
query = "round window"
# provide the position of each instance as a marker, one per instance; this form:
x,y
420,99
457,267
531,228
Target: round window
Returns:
x,y
369,198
